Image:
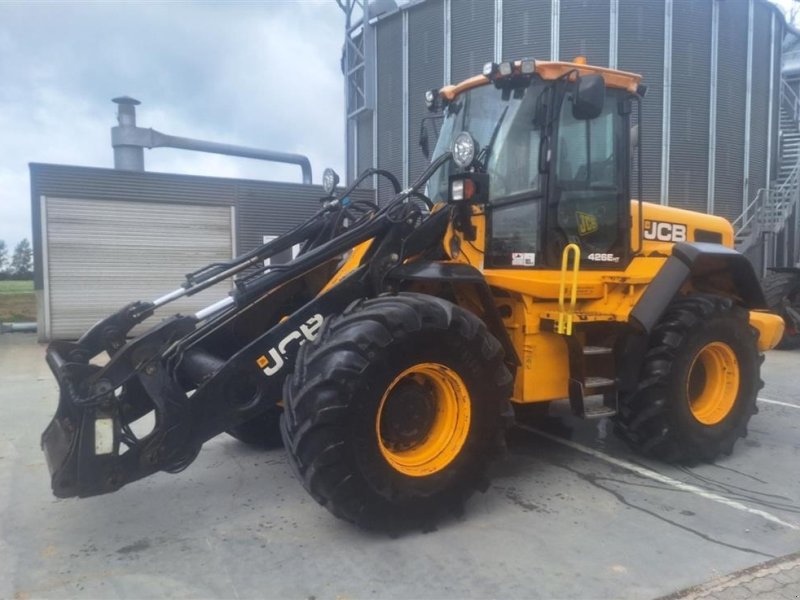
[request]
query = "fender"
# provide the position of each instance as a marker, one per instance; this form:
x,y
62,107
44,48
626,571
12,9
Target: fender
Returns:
x,y
464,274
711,268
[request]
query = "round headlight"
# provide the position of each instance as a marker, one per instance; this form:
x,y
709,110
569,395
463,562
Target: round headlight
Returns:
x,y
329,180
464,149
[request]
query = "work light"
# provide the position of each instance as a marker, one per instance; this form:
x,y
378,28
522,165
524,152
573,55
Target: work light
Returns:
x,y
527,66
464,149
329,180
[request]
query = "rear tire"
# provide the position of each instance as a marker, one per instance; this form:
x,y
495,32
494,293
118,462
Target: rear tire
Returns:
x,y
698,385
780,289
344,421
261,432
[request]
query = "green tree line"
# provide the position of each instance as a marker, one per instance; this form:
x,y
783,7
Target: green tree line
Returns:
x,y
20,265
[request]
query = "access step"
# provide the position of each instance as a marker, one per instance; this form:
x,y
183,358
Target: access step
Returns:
x,y
596,350
593,383
598,411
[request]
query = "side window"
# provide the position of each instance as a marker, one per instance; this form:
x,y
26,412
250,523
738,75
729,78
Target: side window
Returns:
x,y
514,236
587,186
586,150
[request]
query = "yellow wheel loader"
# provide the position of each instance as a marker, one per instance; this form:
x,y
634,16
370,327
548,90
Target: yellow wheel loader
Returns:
x,y
393,352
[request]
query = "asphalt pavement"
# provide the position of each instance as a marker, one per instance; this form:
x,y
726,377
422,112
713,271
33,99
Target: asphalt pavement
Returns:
x,y
571,513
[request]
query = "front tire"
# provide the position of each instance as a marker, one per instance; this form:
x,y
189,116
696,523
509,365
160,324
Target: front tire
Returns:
x,y
698,385
394,410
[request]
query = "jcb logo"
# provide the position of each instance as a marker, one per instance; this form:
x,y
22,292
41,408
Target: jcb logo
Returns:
x,y
664,232
586,223
306,332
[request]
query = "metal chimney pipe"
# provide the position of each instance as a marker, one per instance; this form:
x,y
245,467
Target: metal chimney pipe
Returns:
x,y
129,142
127,157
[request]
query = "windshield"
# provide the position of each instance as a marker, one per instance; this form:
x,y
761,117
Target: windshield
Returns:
x,y
505,125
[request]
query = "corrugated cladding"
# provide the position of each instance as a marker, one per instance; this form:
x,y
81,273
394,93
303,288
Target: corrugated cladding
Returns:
x,y
364,144
271,208
759,115
262,207
389,34
103,254
526,29
641,50
585,30
731,93
425,72
472,37
776,97
691,72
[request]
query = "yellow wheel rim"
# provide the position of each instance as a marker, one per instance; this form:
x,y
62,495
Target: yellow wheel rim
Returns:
x,y
423,419
713,383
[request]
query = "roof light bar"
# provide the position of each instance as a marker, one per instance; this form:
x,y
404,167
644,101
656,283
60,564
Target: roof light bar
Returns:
x,y
527,66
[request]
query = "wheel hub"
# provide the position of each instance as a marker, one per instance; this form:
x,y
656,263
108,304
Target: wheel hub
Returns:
x,y
408,414
423,419
713,383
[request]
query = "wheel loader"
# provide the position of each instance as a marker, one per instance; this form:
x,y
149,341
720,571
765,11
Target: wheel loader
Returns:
x,y
392,353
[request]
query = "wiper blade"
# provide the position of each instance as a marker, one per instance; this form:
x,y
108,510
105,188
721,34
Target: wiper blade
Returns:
x,y
483,155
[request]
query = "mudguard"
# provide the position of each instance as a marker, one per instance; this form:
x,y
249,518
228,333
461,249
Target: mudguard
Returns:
x,y
711,268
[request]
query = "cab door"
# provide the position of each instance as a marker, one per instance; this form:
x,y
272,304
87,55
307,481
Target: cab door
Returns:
x,y
589,200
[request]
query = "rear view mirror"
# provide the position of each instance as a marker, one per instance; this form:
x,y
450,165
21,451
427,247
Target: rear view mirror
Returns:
x,y
590,95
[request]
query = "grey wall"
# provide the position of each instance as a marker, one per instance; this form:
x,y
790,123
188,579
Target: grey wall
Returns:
x,y
262,207
732,90
691,73
425,72
472,37
586,29
640,49
526,33
390,100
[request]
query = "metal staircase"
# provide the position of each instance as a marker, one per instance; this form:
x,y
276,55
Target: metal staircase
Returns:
x,y
770,210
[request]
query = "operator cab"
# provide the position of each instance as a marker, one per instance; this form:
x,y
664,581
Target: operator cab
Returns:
x,y
557,155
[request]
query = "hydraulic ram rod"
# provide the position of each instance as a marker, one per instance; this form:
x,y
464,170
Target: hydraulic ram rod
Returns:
x,y
301,233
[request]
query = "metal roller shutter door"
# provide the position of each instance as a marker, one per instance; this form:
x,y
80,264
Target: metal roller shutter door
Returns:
x,y
103,254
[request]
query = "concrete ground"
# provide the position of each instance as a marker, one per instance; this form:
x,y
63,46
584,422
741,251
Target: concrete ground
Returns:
x,y
571,514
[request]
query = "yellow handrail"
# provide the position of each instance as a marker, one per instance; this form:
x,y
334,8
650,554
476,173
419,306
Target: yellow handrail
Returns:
x,y
565,315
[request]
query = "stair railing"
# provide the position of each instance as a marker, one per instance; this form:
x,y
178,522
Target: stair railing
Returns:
x,y
782,200
790,101
747,226
772,207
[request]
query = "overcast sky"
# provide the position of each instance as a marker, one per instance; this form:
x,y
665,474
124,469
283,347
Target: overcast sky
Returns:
x,y
260,74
